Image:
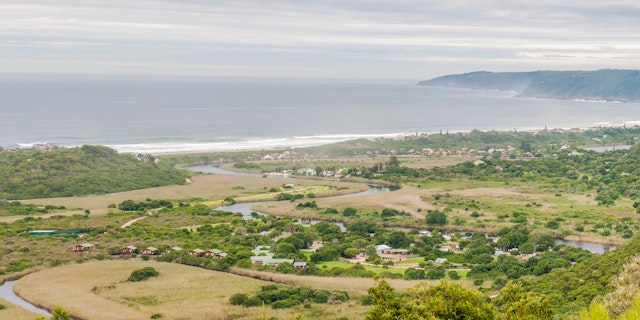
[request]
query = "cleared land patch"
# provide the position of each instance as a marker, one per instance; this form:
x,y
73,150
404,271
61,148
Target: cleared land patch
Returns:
x,y
97,290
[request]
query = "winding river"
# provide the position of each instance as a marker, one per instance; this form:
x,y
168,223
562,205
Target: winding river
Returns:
x,y
245,208
6,289
6,293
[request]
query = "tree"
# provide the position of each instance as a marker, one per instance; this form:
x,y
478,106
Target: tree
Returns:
x,y
57,314
516,304
349,212
386,305
445,301
435,217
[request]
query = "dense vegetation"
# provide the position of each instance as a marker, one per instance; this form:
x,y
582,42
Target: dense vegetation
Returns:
x,y
280,297
542,142
64,172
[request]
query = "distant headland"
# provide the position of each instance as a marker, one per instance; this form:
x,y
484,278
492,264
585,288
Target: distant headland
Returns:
x,y
599,85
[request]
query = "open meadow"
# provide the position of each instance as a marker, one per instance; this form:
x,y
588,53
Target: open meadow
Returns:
x,y
99,290
211,187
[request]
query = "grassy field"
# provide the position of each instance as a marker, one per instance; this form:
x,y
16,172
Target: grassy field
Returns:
x,y
13,312
97,290
213,188
493,203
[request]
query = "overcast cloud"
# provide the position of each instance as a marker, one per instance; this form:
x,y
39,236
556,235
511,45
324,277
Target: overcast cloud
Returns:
x,y
406,39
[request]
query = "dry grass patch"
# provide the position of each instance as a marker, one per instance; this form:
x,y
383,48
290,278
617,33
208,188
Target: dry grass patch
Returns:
x,y
354,286
407,199
206,186
97,290
14,312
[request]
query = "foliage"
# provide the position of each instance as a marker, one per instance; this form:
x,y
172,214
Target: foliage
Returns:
x,y
435,217
445,301
57,314
143,274
573,288
17,208
130,205
65,172
280,297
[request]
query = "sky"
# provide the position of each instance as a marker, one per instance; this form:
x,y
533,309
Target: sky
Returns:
x,y
357,39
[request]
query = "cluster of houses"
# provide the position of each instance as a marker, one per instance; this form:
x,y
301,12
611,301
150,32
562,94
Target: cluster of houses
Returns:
x,y
263,256
152,251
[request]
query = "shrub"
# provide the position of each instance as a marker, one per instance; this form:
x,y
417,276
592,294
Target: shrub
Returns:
x,y
2,306
238,299
156,316
286,303
143,274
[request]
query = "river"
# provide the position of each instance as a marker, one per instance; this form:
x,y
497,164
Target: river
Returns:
x,y
245,208
6,293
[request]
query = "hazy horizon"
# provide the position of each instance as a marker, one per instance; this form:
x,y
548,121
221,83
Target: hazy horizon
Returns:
x,y
374,39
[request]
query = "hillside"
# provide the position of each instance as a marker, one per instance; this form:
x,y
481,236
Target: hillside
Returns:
x,y
600,85
63,172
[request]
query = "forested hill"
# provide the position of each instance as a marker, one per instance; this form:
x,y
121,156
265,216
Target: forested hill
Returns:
x,y
62,172
600,85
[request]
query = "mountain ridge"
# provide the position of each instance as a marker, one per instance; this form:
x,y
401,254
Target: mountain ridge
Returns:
x,y
599,85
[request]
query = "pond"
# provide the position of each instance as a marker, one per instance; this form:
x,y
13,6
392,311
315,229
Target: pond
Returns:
x,y
6,293
589,246
608,148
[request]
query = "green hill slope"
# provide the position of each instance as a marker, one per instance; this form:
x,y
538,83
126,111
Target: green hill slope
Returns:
x,y
63,172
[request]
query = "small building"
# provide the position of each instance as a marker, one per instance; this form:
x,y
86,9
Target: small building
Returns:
x,y
83,247
299,265
214,253
54,232
398,251
174,249
382,249
129,250
392,257
196,252
276,261
260,259
149,251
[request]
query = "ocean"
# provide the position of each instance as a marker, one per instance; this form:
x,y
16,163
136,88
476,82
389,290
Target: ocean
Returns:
x,y
160,115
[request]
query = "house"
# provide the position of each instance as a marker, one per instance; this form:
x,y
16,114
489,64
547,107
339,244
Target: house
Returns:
x,y
196,252
398,251
382,249
261,250
129,250
83,247
149,251
392,257
299,265
275,261
214,253
260,259
174,249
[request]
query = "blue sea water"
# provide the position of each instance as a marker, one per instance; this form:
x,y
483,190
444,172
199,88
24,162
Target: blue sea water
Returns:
x,y
142,114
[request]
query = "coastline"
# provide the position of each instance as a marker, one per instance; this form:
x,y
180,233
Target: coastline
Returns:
x,y
256,144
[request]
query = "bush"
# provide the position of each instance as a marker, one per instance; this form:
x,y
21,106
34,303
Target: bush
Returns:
x,y
286,303
238,299
156,316
143,274
2,306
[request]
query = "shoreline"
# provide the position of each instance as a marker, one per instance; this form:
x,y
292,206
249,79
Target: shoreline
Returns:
x,y
265,144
